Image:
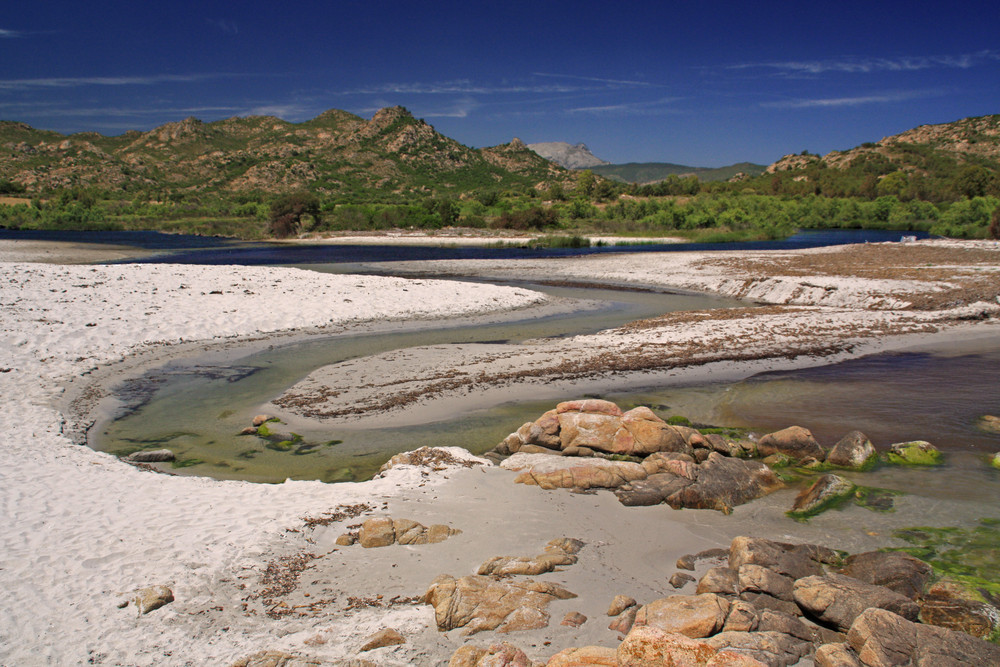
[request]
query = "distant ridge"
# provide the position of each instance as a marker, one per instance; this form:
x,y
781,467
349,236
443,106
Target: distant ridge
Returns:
x,y
645,173
570,156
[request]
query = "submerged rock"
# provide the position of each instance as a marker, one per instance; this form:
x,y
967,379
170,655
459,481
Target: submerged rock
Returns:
x,y
153,456
914,453
794,441
826,492
854,451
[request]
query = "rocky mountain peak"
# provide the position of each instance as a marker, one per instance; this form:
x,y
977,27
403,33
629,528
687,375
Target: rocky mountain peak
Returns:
x,y
570,156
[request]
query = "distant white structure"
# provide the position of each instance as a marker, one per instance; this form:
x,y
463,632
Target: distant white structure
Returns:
x,y
908,239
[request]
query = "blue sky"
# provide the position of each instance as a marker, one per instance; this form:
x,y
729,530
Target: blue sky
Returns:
x,y
698,83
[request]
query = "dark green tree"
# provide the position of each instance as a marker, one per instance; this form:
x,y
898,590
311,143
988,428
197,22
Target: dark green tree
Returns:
x,y
995,224
288,210
972,181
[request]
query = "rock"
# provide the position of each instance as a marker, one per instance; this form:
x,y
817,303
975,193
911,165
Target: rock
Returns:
x,y
989,423
758,579
346,540
680,580
512,565
835,655
249,430
687,562
690,615
743,617
261,419
915,453
667,462
994,460
538,449
838,600
578,451
381,639
719,580
551,472
727,658
763,602
826,492
770,620
501,654
152,598
722,483
439,533
482,603
794,441
566,545
588,423
882,638
895,570
599,656
653,490
574,619
154,456
467,656
377,532
972,617
854,451
625,620
275,659
792,560
620,604
642,432
650,645
770,648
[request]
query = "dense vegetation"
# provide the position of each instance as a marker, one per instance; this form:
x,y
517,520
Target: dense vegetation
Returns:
x,y
262,177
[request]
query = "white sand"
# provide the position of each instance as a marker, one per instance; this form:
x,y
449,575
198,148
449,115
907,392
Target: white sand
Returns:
x,y
82,529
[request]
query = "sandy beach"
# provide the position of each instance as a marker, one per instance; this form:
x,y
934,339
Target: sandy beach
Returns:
x,y
84,530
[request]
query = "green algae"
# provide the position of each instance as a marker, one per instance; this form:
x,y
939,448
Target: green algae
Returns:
x,y
970,555
916,453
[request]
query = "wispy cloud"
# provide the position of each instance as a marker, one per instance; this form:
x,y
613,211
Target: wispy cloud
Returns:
x,y
615,82
860,65
654,107
72,82
225,25
10,33
283,111
464,87
58,111
459,109
861,100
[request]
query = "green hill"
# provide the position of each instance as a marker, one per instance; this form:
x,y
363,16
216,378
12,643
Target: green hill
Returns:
x,y
337,154
652,172
931,162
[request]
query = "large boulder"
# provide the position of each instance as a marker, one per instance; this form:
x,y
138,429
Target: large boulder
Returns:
x,y
651,645
690,615
589,423
551,472
722,483
972,617
597,656
880,637
642,432
479,603
837,600
792,560
896,571
770,648
835,655
794,441
758,579
853,451
653,490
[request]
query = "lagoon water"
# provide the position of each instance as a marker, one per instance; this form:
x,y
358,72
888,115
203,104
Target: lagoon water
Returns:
x,y
933,394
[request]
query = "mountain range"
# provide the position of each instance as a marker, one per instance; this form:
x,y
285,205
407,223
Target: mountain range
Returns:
x,y
336,154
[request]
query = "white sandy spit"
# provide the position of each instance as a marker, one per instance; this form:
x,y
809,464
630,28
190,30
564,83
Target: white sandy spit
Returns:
x,y
82,529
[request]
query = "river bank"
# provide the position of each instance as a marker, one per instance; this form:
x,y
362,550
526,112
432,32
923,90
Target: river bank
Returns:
x,y
84,530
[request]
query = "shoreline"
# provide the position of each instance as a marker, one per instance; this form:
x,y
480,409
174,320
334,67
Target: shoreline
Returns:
x,y
84,529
